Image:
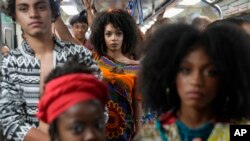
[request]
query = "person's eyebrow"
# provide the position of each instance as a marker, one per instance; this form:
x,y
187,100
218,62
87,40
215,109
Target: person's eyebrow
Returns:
x,y
36,3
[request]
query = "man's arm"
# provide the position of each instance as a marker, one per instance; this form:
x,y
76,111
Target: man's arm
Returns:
x,y
63,31
137,108
12,104
90,15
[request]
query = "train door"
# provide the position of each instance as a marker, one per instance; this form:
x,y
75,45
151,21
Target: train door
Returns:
x,y
7,31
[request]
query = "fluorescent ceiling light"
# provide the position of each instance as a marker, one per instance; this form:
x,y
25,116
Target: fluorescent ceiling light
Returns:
x,y
151,22
69,10
189,2
147,26
171,12
144,29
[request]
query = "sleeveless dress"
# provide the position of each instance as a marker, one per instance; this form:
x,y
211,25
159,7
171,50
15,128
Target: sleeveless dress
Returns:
x,y
121,80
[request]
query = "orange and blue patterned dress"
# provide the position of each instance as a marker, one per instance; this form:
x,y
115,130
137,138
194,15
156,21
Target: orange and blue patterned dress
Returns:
x,y
121,80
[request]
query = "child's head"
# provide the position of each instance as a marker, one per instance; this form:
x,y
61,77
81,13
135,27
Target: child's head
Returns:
x,y
200,70
73,104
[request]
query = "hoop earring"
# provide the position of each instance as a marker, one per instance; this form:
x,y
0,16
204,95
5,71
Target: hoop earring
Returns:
x,y
167,91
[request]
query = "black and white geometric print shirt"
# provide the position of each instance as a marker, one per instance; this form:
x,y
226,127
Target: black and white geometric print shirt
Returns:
x,y
20,85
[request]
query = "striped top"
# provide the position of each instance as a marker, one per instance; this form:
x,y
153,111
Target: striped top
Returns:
x,y
20,86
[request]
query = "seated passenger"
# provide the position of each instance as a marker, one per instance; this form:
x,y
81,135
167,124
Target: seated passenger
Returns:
x,y
198,82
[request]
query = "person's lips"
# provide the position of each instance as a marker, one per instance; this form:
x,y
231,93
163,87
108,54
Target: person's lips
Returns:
x,y
35,24
195,94
114,45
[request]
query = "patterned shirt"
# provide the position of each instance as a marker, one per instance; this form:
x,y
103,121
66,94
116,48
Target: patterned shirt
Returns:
x,y
151,132
20,86
121,79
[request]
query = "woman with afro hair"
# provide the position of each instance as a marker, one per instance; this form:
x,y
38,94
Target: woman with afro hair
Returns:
x,y
114,36
197,82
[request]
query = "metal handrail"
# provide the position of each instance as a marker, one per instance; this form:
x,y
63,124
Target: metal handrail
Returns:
x,y
215,5
159,9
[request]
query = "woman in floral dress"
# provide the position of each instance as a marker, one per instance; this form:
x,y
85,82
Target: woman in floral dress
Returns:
x,y
114,36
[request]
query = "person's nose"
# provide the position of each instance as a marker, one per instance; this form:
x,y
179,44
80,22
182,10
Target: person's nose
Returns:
x,y
114,37
80,29
197,79
33,13
90,135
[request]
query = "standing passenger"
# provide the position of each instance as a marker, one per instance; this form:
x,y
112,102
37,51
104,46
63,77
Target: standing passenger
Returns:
x,y
114,35
198,82
25,68
79,25
74,111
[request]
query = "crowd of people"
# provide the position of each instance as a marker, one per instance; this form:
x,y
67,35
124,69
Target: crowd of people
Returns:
x,y
189,82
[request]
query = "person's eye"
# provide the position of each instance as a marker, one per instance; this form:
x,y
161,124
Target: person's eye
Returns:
x,y
211,72
84,26
23,9
41,7
185,70
119,33
77,128
108,34
100,125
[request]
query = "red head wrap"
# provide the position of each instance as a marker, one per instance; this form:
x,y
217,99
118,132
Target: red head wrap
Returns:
x,y
63,92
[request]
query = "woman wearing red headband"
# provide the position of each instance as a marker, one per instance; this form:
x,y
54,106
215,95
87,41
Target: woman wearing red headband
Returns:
x,y
73,104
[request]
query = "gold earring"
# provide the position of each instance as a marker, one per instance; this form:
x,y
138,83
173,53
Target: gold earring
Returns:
x,y
167,90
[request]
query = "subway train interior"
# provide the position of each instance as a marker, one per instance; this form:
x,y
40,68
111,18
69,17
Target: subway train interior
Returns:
x,y
182,78
145,12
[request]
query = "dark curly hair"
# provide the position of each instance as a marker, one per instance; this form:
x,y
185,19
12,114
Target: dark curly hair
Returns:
x,y
71,66
8,7
227,46
79,18
235,20
119,19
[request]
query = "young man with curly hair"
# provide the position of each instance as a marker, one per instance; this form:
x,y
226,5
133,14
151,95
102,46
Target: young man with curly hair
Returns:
x,y
25,68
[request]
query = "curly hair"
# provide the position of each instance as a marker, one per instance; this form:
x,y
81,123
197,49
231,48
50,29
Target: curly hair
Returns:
x,y
236,21
71,66
119,19
228,48
8,7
